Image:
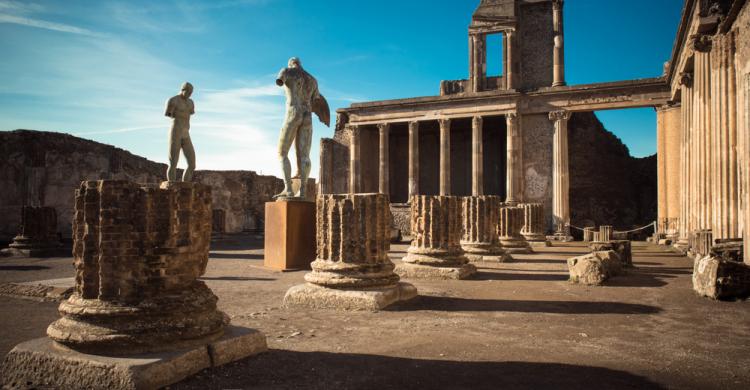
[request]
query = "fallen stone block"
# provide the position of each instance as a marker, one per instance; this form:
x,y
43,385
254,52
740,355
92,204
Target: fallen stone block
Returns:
x,y
716,278
594,268
622,247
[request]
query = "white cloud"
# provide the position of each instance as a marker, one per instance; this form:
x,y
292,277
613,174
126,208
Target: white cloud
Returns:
x,y
66,28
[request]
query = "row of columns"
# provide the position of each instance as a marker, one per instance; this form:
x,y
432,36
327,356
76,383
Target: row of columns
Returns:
x,y
710,145
514,182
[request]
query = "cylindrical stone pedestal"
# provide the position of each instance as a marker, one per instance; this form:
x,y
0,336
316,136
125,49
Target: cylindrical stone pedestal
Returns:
x,y
352,270
702,243
480,219
435,251
588,234
38,234
138,254
533,224
605,233
509,230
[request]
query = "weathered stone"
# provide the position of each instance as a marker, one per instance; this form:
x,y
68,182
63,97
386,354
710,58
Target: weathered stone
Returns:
x,y
605,233
594,268
621,247
38,235
218,223
716,278
509,230
41,363
701,241
352,270
588,234
730,249
534,224
435,250
480,218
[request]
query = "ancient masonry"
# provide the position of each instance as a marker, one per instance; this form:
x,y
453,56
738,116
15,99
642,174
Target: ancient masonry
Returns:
x,y
352,270
480,219
435,251
533,224
138,253
509,230
38,234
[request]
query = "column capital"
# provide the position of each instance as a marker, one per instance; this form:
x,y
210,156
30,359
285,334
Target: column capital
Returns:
x,y
444,122
477,120
511,116
561,115
413,125
686,79
385,126
701,42
557,5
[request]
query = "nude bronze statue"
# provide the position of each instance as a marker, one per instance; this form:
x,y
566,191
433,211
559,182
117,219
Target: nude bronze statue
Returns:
x,y
179,108
302,100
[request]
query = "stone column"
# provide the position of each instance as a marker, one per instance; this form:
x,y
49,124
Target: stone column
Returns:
x,y
413,158
435,251
744,142
725,192
702,95
352,270
588,234
510,39
38,233
686,92
560,178
478,62
672,162
354,163
605,233
138,253
383,182
480,219
513,165
558,56
534,224
509,230
445,156
477,157
661,208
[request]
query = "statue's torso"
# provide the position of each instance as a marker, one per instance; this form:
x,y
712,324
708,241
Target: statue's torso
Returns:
x,y
180,109
300,88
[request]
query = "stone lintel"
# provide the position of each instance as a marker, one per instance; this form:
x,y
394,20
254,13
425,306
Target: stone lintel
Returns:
x,y
42,363
317,297
418,271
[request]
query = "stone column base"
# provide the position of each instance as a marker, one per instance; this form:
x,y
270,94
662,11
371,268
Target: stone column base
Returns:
x,y
681,247
317,297
537,240
29,247
480,251
42,363
418,271
560,237
515,246
721,279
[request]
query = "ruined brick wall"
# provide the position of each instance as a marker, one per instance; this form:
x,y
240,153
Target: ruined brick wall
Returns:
x,y
536,41
607,185
44,169
536,133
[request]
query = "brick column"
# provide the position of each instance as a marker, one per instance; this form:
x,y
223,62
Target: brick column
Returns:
x,y
477,157
509,230
560,176
513,157
445,157
354,162
558,54
383,179
480,219
413,158
534,224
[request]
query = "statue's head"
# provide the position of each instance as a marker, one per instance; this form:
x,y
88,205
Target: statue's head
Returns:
x,y
294,62
186,90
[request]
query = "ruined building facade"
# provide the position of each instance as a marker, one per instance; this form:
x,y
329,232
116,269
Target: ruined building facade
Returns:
x,y
507,135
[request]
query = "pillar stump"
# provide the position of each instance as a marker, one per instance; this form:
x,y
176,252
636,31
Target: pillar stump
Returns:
x,y
435,251
38,233
352,270
139,316
509,230
480,218
588,234
289,235
533,224
605,233
623,248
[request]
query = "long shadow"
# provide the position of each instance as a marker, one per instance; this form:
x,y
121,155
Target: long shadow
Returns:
x,y
539,261
238,256
236,278
427,302
326,370
482,276
22,267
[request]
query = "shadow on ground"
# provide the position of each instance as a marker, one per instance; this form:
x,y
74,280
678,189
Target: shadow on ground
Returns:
x,y
427,302
235,256
282,369
22,267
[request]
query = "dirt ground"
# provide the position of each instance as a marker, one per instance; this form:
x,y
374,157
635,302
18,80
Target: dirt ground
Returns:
x,y
515,325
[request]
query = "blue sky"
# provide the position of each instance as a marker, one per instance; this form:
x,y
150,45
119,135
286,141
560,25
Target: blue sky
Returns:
x,y
103,69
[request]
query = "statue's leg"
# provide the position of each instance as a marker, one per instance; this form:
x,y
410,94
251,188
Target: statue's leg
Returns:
x,y
189,152
174,154
302,144
288,133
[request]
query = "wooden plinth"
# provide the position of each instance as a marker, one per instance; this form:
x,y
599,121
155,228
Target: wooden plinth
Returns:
x,y
290,235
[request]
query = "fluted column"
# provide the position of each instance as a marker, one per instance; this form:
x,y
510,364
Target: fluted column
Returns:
x,y
560,177
445,156
435,251
672,169
513,165
477,157
352,270
480,219
684,224
509,230
558,56
661,174
383,178
510,39
704,141
724,167
413,158
534,224
354,162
